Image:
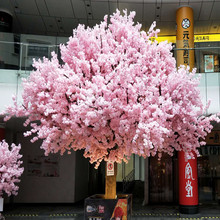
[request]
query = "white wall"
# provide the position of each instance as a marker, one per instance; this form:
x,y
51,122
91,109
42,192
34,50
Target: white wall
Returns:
x,y
71,183
209,91
40,189
10,84
8,87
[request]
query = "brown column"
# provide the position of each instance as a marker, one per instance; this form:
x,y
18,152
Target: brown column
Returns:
x,y
188,180
185,36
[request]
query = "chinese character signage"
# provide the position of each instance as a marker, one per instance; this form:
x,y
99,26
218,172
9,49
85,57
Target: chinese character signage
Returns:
x,y
197,38
202,38
186,47
189,177
185,37
188,192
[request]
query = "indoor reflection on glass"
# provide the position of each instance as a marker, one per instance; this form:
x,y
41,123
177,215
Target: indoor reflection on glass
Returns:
x,y
209,173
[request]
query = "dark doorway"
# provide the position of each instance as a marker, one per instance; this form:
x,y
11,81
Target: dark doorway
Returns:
x,y
96,179
161,179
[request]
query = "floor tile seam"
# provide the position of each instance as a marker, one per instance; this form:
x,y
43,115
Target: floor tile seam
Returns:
x,y
133,214
199,218
42,214
147,213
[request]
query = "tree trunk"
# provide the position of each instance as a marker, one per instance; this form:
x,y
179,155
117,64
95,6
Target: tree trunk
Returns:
x,y
110,184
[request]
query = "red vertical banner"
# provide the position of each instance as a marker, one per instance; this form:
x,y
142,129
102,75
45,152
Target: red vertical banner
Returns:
x,y
2,133
188,183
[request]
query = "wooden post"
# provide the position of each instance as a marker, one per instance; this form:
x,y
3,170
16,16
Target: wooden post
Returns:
x,y
110,184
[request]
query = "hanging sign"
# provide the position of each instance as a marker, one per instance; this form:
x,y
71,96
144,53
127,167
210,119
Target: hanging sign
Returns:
x,y
110,168
197,38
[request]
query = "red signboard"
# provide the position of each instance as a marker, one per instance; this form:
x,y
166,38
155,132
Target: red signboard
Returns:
x,y
188,180
110,168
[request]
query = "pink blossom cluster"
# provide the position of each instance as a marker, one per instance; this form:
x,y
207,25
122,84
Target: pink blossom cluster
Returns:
x,y
10,170
118,93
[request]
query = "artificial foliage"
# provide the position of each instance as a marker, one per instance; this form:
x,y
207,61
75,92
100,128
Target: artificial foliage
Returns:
x,y
118,93
10,168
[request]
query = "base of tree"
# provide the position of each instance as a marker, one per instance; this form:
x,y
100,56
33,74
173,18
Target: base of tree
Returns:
x,y
97,207
189,209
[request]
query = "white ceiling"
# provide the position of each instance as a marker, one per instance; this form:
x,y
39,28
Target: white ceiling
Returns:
x,y
59,17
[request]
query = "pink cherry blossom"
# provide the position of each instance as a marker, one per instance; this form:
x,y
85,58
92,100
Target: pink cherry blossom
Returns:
x,y
117,94
10,170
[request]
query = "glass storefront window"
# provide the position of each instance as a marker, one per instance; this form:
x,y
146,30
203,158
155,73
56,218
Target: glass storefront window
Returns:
x,y
161,179
9,51
207,55
209,174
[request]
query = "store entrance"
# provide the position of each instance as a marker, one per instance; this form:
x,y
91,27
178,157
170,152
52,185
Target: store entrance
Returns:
x,y
209,174
161,179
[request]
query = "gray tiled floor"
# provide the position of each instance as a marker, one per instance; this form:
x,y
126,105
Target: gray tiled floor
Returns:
x,y
75,212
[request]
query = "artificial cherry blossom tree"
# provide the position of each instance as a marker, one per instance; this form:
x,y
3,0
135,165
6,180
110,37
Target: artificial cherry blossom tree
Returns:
x,y
10,168
118,93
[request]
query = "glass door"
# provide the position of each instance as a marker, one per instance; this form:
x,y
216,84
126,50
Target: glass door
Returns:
x,y
209,174
161,179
